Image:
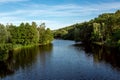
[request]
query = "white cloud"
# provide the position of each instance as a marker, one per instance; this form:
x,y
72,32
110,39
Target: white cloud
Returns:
x,y
52,24
6,1
28,11
62,10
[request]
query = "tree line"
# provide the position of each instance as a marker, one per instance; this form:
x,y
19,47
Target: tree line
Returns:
x,y
103,30
25,34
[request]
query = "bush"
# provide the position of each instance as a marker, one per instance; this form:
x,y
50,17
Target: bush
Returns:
x,y
6,47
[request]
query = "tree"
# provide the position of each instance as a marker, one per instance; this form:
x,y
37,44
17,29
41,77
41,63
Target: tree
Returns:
x,y
76,34
45,35
48,36
41,30
3,34
34,33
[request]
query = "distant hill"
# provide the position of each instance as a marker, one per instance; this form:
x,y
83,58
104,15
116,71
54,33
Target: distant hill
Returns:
x,y
105,29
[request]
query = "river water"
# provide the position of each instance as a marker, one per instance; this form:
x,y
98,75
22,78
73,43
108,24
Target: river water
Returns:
x,y
61,60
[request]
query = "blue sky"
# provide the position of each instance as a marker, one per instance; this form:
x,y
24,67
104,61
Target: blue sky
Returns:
x,y
55,13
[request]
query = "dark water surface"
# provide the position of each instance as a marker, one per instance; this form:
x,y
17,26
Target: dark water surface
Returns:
x,y
61,60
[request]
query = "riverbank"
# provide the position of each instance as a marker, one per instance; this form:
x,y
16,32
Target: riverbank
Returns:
x,y
17,47
110,45
10,47
81,62
100,44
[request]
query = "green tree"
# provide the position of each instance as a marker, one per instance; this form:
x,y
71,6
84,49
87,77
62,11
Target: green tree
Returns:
x,y
48,36
45,35
3,34
41,30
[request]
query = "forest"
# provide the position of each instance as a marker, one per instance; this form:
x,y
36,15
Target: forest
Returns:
x,y
102,30
24,35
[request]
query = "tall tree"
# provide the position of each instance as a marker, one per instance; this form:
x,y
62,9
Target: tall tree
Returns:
x,y
3,34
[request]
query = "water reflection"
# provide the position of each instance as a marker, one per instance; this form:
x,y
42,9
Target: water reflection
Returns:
x,y
45,54
22,59
5,66
101,54
3,56
63,61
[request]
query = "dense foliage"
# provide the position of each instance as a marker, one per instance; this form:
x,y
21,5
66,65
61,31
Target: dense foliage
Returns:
x,y
103,30
12,36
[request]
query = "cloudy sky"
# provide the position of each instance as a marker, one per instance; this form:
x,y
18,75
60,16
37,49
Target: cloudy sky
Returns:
x,y
55,13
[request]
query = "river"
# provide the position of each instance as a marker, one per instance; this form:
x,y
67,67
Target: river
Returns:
x,y
61,60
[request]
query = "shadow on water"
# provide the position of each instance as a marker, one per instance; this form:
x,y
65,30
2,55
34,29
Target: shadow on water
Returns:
x,y
45,54
101,54
21,59
5,68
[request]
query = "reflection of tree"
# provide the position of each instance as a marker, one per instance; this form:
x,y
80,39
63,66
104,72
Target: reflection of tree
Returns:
x,y
102,54
18,59
107,55
25,57
14,60
5,69
45,53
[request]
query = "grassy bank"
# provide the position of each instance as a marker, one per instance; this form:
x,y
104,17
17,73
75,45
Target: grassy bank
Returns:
x,y
17,47
10,47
